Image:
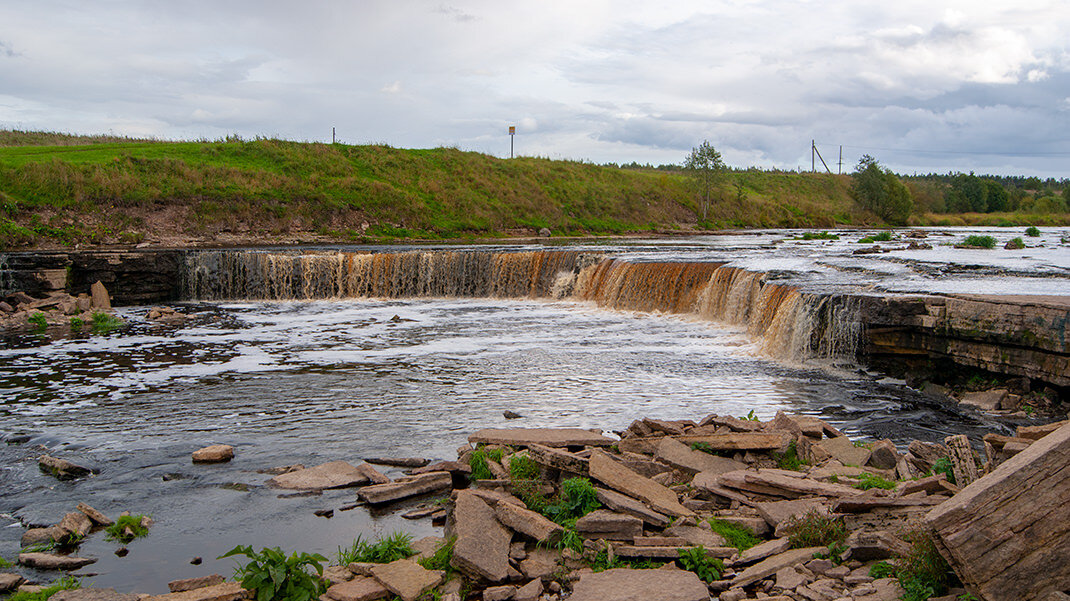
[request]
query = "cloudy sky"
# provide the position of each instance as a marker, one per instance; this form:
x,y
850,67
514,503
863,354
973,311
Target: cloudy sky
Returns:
x,y
922,85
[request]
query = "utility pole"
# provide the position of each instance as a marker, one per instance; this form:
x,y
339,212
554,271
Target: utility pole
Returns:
x,y
839,169
813,149
512,134
333,139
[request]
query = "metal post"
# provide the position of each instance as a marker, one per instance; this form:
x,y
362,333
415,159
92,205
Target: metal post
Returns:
x,y
333,139
512,134
839,169
813,149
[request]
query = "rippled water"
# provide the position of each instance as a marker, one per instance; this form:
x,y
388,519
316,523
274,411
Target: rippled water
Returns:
x,y
308,382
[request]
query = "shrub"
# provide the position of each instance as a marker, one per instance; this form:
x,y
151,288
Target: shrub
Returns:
x,y
576,499
880,191
944,466
383,550
817,236
737,536
1015,244
127,528
884,236
105,322
275,577
76,323
815,529
1032,231
881,569
976,241
63,584
695,560
922,571
39,322
522,467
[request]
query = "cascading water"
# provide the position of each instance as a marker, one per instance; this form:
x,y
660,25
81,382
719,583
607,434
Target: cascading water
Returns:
x,y
791,325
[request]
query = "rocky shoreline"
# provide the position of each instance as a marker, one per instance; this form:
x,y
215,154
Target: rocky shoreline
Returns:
x,y
721,508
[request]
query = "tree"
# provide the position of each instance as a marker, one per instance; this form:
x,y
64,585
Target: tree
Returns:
x,y
704,163
880,191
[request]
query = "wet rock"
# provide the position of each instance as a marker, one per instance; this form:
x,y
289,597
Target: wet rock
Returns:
x,y
61,468
544,232
324,513
282,469
95,516
605,524
228,591
9,581
481,550
511,415
622,584
49,561
550,437
530,523
76,523
123,552
406,578
360,588
34,536
188,584
336,474
410,486
94,594
399,461
101,300
1025,495
217,453
604,469
196,561
682,457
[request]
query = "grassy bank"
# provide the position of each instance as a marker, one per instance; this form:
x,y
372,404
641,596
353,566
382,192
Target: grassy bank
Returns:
x,y
57,189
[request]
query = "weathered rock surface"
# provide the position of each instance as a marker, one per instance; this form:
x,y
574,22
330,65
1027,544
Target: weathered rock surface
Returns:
x,y
100,296
696,535
525,521
776,513
61,468
94,594
764,549
48,561
986,400
1007,535
409,486
399,461
605,524
361,588
682,457
771,565
558,459
616,476
741,441
406,578
228,591
9,581
549,437
482,548
625,504
622,584
217,453
95,516
336,474
188,584
843,450
76,523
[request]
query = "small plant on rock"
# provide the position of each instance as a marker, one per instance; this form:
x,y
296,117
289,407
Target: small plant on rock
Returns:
x,y
1032,231
705,567
440,559
275,577
789,459
127,528
383,550
881,569
815,529
104,323
522,467
1015,244
737,536
922,571
63,584
975,241
944,466
868,481
576,499
76,323
40,324
478,462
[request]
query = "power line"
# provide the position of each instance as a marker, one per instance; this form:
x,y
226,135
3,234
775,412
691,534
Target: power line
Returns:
x,y
961,152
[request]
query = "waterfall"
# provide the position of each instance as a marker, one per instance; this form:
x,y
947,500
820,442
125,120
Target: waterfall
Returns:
x,y
7,278
790,324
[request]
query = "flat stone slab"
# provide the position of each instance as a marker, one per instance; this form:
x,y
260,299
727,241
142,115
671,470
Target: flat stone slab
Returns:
x,y
684,458
361,588
625,504
48,561
406,578
549,437
605,524
527,522
336,474
843,450
481,550
771,565
398,461
411,486
97,517
740,441
622,584
61,468
778,512
762,550
697,535
228,591
9,581
94,594
618,477
188,584
217,453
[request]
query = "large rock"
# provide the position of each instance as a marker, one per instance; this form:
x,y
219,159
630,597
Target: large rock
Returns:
x,y
771,565
741,441
1007,535
336,474
217,453
527,522
843,450
481,550
9,581
784,484
404,488
684,458
48,561
549,437
406,578
622,584
188,584
558,459
698,536
61,468
604,469
602,523
94,594
95,516
625,504
76,523
985,400
776,513
361,588
228,591
883,455
100,296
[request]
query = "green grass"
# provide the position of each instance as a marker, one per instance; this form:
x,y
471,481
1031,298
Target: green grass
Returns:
x,y
881,569
478,462
575,499
976,241
737,536
523,467
1016,244
944,466
5,563
815,529
789,460
817,236
383,550
38,322
922,571
65,583
105,322
119,530
695,560
440,559
868,481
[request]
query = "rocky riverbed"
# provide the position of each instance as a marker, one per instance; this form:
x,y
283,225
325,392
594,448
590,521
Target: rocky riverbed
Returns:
x,y
720,508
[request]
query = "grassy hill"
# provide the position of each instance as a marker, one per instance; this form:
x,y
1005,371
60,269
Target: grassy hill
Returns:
x,y
57,189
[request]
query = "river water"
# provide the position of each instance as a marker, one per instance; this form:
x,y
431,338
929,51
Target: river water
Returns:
x,y
310,381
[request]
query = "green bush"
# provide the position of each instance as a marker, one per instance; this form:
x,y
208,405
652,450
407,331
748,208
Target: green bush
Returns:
x,y
881,569
788,460
63,584
868,481
817,236
815,529
383,550
576,499
922,571
878,190
522,467
127,528
695,560
105,322
275,577
979,241
1032,231
884,236
1016,244
737,536
39,322
944,466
